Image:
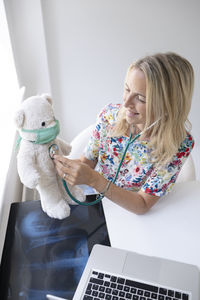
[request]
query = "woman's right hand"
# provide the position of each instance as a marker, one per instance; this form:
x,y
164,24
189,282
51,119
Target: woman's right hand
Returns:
x,y
74,171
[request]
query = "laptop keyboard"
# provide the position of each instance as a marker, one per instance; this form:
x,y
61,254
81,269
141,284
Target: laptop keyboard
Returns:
x,y
112,287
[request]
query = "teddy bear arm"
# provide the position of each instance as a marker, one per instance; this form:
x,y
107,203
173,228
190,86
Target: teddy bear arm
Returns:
x,y
27,170
64,147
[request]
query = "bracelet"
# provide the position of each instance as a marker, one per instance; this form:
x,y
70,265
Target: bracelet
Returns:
x,y
106,188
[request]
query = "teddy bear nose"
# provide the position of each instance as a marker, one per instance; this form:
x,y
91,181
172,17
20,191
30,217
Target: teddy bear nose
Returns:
x,y
43,124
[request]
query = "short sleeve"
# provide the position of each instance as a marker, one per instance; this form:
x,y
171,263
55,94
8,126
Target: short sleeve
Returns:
x,y
92,149
162,179
103,123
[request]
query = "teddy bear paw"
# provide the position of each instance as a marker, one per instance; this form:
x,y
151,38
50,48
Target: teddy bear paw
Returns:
x,y
58,210
32,181
78,194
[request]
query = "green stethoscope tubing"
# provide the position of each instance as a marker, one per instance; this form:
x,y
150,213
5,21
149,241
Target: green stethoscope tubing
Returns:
x,y
101,196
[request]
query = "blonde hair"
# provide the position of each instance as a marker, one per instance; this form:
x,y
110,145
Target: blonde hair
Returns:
x,y
169,89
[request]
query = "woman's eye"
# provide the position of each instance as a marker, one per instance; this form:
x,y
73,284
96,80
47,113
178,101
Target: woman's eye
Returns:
x,y
140,98
43,124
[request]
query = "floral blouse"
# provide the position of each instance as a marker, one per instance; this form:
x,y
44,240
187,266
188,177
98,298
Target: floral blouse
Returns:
x,y
136,172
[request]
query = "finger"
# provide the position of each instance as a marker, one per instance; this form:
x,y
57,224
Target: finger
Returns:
x,y
61,169
60,172
65,161
60,158
68,167
58,165
65,176
68,179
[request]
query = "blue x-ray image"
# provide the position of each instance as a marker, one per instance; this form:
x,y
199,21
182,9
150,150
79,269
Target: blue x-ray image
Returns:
x,y
47,256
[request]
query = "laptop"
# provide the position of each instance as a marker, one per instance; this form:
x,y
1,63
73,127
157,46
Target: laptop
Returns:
x,y
116,274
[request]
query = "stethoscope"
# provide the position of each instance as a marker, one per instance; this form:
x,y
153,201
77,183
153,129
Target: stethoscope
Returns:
x,y
53,150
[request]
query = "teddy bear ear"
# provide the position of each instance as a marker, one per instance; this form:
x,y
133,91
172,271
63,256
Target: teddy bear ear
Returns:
x,y
19,118
48,98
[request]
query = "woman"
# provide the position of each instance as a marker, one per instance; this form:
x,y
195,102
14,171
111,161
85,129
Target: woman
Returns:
x,y
156,102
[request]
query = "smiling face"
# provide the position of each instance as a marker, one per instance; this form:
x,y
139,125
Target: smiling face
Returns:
x,y
135,98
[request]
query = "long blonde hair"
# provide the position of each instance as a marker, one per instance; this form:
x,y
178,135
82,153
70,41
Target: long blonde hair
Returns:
x,y
169,89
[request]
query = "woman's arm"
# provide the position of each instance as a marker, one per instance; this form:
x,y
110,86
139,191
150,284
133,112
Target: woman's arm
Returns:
x,y
90,163
82,172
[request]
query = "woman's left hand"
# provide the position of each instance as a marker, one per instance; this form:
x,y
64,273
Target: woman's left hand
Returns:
x,y
73,171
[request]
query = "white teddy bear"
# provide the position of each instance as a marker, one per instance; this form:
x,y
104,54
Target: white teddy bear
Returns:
x,y
38,131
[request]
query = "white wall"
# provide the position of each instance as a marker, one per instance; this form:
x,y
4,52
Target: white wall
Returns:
x,y
82,52
92,42
28,42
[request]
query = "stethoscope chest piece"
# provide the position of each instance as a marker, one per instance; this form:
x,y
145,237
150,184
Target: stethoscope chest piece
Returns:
x,y
53,150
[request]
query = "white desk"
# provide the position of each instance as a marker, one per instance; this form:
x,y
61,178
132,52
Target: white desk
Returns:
x,y
171,229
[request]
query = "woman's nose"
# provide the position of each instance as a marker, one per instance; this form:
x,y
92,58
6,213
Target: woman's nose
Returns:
x,y
129,100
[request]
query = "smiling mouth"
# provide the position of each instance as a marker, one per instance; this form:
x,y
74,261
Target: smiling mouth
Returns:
x,y
131,114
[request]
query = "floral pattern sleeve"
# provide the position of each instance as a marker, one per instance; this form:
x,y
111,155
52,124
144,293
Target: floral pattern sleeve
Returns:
x,y
100,131
162,179
92,149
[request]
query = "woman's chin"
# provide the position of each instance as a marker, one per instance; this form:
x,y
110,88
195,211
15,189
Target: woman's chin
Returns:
x,y
131,121
135,123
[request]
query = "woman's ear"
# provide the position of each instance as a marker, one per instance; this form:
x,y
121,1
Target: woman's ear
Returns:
x,y
19,118
48,98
